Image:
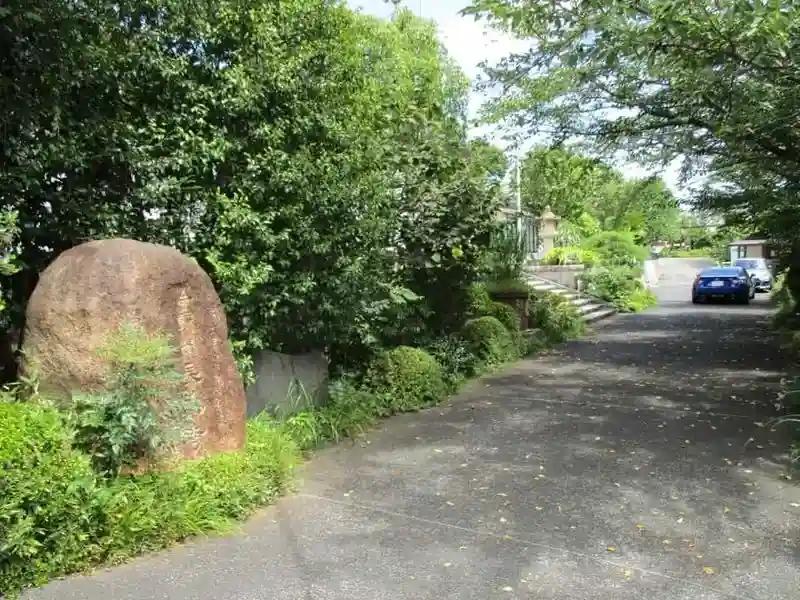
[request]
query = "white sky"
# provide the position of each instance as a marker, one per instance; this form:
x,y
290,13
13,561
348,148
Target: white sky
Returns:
x,y
470,42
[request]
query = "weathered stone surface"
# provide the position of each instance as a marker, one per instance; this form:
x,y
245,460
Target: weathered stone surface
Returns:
x,y
89,290
287,383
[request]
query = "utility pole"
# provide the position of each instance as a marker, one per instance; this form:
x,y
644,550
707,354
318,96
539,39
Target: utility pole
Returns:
x,y
518,194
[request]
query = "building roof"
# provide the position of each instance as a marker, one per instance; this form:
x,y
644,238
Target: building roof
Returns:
x,y
748,243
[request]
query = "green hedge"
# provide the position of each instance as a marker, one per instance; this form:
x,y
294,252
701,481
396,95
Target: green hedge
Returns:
x,y
48,498
505,314
58,517
491,343
408,378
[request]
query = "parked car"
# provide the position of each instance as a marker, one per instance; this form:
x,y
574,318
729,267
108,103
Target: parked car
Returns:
x,y
729,283
759,272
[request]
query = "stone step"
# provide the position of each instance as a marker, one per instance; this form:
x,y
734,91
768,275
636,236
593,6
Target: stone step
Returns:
x,y
599,312
589,308
578,301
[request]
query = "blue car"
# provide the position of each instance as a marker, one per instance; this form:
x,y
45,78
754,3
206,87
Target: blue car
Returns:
x,y
729,283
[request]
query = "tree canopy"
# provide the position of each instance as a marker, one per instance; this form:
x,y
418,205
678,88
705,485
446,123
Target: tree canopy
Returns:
x,y
712,82
312,159
576,187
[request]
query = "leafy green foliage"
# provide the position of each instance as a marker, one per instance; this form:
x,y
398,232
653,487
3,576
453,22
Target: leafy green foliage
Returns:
x,y
506,314
310,158
570,255
58,517
8,233
616,248
454,355
143,413
566,182
407,378
555,316
479,300
46,494
490,343
573,232
590,195
713,84
506,256
620,286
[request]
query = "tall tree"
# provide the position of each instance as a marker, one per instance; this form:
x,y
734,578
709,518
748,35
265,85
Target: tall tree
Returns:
x,y
567,182
312,159
714,81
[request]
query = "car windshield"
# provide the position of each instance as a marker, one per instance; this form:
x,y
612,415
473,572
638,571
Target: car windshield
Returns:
x,y
750,264
722,272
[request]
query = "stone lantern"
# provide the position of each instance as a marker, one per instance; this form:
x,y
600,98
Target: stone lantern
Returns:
x,y
548,226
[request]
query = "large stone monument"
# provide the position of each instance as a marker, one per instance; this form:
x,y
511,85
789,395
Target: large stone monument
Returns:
x,y
91,289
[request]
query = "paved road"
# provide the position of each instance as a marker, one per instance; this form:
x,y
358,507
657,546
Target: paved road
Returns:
x,y
613,469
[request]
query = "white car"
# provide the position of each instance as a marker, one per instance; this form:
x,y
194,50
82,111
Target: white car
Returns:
x,y
759,272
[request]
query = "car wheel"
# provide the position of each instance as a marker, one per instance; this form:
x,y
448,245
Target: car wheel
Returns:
x,y
744,299
696,299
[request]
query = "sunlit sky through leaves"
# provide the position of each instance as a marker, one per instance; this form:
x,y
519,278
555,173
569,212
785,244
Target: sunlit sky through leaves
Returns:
x,y
469,43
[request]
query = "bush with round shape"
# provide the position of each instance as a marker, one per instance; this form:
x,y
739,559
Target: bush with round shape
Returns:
x,y
490,341
505,314
407,379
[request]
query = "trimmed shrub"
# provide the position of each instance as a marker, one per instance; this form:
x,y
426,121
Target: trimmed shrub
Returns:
x,y
556,316
505,314
490,342
408,379
508,286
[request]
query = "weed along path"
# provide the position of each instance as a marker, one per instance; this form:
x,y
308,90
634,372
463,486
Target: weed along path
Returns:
x,y
616,467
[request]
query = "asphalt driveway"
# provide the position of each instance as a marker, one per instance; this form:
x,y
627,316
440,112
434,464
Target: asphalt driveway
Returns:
x,y
617,467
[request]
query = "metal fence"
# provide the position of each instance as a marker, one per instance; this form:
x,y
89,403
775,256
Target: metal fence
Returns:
x,y
522,224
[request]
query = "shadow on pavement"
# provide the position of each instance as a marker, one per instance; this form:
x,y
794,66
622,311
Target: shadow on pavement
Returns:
x,y
615,468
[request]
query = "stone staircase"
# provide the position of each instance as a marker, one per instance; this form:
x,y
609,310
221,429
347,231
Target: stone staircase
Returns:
x,y
590,308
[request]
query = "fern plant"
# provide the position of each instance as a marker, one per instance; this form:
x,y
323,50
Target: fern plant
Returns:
x,y
143,412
